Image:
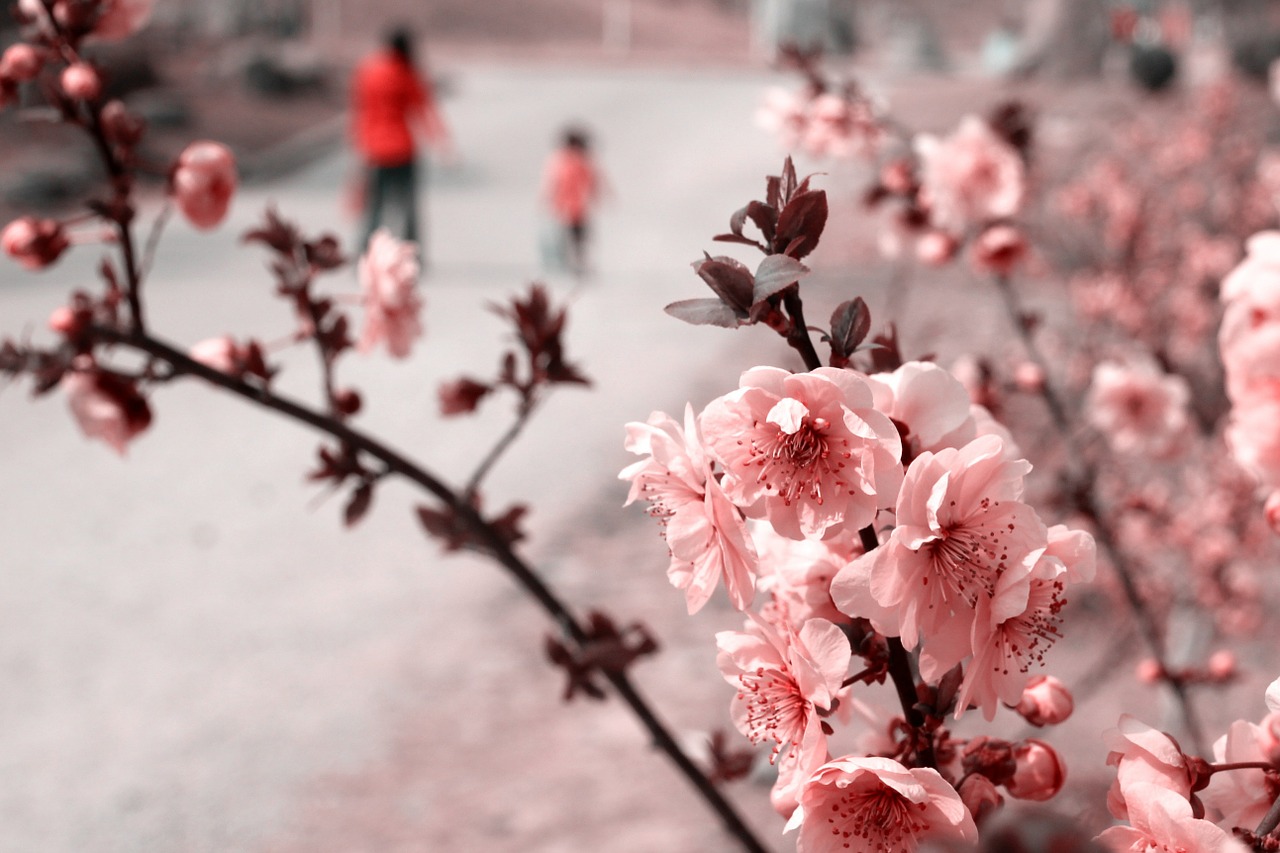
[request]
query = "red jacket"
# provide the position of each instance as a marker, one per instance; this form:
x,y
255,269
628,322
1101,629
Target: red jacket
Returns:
x,y
386,96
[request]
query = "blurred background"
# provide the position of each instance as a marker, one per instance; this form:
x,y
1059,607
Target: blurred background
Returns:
x,y
195,656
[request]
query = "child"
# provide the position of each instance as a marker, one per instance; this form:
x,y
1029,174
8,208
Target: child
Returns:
x,y
571,186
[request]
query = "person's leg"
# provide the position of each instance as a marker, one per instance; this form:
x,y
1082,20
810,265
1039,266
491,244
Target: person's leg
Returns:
x,y
375,199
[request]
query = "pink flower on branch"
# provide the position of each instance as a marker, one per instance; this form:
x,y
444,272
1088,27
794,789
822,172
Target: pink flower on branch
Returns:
x,y
388,273
971,177
106,407
203,181
1138,407
806,451
785,680
876,805
1163,820
705,532
962,527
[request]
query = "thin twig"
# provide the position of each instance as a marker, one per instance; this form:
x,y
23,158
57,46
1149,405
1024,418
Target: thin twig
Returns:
x,y
524,412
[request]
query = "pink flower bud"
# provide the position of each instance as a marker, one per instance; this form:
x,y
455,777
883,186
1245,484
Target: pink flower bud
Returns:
x,y
107,407
121,126
34,243
936,248
1045,701
980,796
20,62
81,82
897,177
998,249
217,353
204,179
1148,671
1029,377
1221,665
1040,772
1272,509
66,321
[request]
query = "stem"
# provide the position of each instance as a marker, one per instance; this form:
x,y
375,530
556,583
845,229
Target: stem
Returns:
x,y
1080,489
528,403
1242,765
1271,820
489,539
798,338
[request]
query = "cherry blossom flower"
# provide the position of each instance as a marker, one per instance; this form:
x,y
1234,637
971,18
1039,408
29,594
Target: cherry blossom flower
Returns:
x,y
784,114
929,402
971,177
106,407
706,535
795,766
34,243
204,179
1142,756
961,528
806,451
840,128
1162,820
1045,701
1242,797
1138,407
878,806
797,573
998,249
388,272
784,677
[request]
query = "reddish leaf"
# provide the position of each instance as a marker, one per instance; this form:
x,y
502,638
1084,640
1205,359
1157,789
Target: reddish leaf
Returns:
x,y
729,279
850,323
803,219
776,273
358,505
461,396
707,312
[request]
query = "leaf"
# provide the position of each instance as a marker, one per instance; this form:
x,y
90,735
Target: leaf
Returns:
x,y
850,323
776,273
361,500
738,238
804,218
729,279
706,312
764,217
787,183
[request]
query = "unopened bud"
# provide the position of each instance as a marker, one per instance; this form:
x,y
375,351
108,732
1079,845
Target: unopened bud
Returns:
x,y
347,401
1148,671
20,62
998,249
1029,377
1221,665
936,248
1045,701
204,180
121,126
980,796
81,82
34,243
1040,772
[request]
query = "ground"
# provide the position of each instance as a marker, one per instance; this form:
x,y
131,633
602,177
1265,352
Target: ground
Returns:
x,y
198,657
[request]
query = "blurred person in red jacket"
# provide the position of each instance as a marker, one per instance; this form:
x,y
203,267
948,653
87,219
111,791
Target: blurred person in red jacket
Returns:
x,y
391,101
571,186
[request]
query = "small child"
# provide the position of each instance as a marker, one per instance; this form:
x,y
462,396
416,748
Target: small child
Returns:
x,y
571,186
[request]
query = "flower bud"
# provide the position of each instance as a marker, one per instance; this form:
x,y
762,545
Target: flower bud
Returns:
x,y
1040,772
1029,377
980,796
1221,665
81,82
204,180
67,321
998,249
1148,671
121,126
990,757
347,401
1272,510
1045,701
936,248
20,62
217,353
34,243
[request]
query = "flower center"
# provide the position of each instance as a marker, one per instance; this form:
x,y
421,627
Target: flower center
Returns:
x,y
968,559
878,820
795,459
1024,639
774,708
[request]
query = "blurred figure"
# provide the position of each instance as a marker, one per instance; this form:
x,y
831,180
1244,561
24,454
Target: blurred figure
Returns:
x,y
571,186
390,101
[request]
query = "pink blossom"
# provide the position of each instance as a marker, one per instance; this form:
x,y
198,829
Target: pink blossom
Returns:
x,y
1241,796
879,806
705,533
1252,437
122,18
204,179
80,81
998,249
1273,696
388,272
784,114
971,177
34,243
807,451
1040,771
1046,701
784,679
1138,407
1143,756
218,353
929,402
795,766
20,62
1162,820
106,407
797,573
961,528
840,128
936,248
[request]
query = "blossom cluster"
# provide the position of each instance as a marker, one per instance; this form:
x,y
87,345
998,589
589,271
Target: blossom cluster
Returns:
x,y
781,490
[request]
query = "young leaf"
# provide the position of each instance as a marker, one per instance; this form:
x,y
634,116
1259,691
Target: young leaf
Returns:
x,y
775,273
802,219
850,323
706,312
